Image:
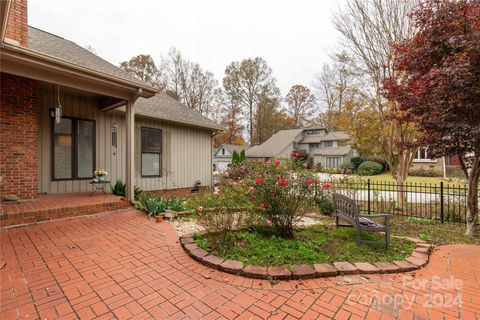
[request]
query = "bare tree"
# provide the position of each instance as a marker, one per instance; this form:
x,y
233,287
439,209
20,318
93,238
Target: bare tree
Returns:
x,y
338,84
300,102
244,81
370,29
188,82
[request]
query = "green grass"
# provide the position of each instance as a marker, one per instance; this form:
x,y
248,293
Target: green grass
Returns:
x,y
314,244
387,177
432,231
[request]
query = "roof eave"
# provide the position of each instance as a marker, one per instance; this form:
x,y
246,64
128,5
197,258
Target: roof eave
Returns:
x,y
43,60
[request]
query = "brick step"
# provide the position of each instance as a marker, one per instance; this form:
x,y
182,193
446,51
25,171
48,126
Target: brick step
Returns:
x,y
34,216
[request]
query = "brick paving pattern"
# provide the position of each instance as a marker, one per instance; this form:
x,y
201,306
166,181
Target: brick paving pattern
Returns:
x,y
125,266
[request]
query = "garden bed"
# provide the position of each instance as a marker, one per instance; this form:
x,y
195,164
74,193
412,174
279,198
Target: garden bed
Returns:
x,y
316,251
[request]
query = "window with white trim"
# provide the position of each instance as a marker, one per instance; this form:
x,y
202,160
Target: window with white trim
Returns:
x,y
422,155
151,152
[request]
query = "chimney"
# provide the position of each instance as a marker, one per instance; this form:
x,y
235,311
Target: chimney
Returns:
x,y
17,25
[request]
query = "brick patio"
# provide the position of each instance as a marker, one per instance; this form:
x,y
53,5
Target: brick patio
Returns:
x,y
57,206
124,265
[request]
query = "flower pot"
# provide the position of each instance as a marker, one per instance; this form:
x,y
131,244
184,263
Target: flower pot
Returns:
x,y
101,178
159,218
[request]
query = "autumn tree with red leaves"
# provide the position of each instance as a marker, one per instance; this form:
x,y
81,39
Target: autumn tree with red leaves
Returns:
x,y
440,85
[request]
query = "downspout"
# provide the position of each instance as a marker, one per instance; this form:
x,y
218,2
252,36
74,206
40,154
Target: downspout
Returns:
x,y
211,159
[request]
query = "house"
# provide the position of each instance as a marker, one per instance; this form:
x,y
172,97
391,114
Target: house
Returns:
x,y
320,146
447,167
65,111
222,156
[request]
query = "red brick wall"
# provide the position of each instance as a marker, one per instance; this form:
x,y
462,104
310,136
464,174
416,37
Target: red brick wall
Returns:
x,y
17,25
18,136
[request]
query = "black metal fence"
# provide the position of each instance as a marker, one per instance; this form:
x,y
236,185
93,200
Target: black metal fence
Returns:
x,y
445,202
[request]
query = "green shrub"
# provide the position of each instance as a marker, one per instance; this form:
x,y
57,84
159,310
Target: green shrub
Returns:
x,y
153,206
369,168
325,205
356,162
347,165
421,172
118,188
379,159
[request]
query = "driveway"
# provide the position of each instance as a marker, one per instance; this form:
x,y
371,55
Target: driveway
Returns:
x,y
124,265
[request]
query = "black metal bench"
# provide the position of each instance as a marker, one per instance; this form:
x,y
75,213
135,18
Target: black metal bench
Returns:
x,y
347,210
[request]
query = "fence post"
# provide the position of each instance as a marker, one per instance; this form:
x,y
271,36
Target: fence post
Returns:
x,y
441,201
368,195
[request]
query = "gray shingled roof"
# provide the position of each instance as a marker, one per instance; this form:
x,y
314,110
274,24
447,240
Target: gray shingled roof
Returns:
x,y
273,146
330,136
164,107
338,151
58,47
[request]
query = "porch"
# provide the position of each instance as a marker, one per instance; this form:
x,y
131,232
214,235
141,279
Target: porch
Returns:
x,y
58,206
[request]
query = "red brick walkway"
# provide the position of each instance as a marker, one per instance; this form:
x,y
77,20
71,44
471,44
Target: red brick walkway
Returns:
x,y
124,265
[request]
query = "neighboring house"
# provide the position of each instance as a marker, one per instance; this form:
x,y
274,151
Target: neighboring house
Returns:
x,y
444,165
110,120
321,147
222,156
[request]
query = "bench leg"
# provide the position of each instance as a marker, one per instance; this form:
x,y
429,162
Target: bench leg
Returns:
x,y
387,238
358,235
336,221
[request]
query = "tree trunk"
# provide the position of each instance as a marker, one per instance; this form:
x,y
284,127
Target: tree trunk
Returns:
x,y
472,197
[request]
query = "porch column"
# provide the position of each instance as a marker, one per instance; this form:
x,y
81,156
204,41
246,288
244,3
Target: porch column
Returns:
x,y
130,130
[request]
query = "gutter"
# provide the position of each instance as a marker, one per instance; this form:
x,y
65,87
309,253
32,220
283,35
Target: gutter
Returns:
x,y
13,51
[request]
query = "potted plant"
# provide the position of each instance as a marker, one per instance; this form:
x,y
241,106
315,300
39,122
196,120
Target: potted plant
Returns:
x,y
100,174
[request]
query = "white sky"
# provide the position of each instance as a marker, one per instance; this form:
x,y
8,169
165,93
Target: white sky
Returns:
x,y
294,37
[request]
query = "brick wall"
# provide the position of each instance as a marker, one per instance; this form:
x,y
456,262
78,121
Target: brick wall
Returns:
x,y
17,25
18,136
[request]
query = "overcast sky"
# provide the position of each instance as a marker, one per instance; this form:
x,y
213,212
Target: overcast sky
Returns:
x,y
294,37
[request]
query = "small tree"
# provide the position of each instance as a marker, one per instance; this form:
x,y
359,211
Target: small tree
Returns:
x,y
440,85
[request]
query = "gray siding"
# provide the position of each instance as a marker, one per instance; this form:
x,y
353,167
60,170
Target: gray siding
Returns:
x,y
187,151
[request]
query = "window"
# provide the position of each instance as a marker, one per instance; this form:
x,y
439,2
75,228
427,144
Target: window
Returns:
x,y
328,144
422,156
73,149
151,152
223,151
333,162
313,146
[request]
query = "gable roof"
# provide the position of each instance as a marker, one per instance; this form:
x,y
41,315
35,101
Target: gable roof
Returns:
x,y
58,47
273,146
330,136
162,106
230,148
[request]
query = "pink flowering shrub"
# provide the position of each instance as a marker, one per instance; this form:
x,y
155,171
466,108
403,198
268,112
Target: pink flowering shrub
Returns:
x,y
279,189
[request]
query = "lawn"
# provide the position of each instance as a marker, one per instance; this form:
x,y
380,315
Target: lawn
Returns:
x,y
432,231
386,177
315,244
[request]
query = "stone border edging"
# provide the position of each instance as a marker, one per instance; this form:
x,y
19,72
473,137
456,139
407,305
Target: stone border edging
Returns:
x,y
417,260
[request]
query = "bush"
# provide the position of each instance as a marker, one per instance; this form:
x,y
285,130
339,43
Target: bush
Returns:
x,y
369,168
380,160
356,162
421,172
154,206
119,189
347,165
279,189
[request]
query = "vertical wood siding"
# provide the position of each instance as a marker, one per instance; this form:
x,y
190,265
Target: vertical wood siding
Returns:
x,y
186,151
